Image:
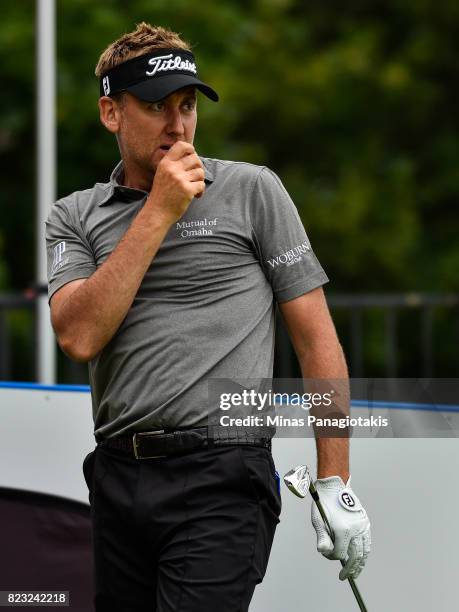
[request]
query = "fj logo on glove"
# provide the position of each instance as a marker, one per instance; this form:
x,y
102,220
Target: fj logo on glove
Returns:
x,y
348,500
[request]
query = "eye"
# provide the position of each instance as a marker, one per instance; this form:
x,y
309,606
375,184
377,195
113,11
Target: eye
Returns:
x,y
190,104
156,106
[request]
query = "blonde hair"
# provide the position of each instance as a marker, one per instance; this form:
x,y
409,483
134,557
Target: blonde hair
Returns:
x,y
143,39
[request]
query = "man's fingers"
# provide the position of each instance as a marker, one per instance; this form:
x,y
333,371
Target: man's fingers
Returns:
x,y
179,149
356,572
352,567
366,550
359,549
191,161
366,543
196,174
324,542
366,540
200,188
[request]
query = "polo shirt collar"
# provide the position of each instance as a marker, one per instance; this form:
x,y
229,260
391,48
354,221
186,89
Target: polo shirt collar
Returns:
x,y
114,188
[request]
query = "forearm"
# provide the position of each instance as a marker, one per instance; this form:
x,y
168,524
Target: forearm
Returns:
x,y
92,314
324,359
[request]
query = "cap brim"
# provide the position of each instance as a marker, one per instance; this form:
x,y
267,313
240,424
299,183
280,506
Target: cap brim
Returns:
x,y
159,88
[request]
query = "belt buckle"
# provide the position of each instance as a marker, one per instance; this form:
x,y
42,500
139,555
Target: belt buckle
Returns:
x,y
135,443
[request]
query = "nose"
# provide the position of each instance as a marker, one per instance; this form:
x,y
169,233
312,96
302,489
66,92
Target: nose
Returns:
x,y
175,122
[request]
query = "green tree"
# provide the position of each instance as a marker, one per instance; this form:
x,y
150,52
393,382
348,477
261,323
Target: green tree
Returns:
x,y
355,109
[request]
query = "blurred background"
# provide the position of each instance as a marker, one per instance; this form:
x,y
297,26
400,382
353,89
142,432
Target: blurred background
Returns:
x,y
354,107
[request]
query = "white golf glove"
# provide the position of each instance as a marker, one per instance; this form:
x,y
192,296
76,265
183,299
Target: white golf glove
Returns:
x,y
349,522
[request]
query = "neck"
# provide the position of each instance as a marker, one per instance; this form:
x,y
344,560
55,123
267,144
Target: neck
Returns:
x,y
136,178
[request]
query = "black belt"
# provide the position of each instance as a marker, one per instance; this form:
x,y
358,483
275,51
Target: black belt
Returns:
x,y
162,443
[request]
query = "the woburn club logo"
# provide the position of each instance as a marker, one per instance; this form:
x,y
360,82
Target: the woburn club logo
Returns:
x,y
291,256
164,63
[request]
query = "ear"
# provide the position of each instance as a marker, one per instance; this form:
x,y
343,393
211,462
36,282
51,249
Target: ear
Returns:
x,y
110,114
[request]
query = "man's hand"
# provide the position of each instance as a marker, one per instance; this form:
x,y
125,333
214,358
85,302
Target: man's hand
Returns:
x,y
178,179
349,522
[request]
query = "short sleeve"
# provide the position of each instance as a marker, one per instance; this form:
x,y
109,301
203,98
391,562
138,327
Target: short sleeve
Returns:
x,y
68,252
280,239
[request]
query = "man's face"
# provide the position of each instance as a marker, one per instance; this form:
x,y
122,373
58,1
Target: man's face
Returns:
x,y
148,129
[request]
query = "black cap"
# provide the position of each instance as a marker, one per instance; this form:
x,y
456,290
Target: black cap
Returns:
x,y
155,75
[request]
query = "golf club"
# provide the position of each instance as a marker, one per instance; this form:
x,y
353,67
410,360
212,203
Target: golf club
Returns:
x,y
299,482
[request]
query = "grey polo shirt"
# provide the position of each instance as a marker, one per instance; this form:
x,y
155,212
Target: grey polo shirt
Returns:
x,y
205,308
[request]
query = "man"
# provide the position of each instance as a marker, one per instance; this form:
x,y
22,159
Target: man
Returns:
x,y
163,279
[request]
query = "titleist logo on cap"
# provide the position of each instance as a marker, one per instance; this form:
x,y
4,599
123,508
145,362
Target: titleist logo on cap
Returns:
x,y
165,63
154,76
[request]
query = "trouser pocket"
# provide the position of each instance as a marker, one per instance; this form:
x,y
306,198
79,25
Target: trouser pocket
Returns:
x,y
88,470
260,476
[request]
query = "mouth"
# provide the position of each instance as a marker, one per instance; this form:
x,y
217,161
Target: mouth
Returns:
x,y
165,147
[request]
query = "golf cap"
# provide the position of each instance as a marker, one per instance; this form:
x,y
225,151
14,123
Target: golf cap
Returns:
x,y
155,75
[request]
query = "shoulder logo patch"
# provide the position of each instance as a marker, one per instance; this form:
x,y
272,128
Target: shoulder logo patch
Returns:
x,y
291,256
59,259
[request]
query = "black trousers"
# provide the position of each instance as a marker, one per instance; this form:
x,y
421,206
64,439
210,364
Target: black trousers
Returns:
x,y
189,533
